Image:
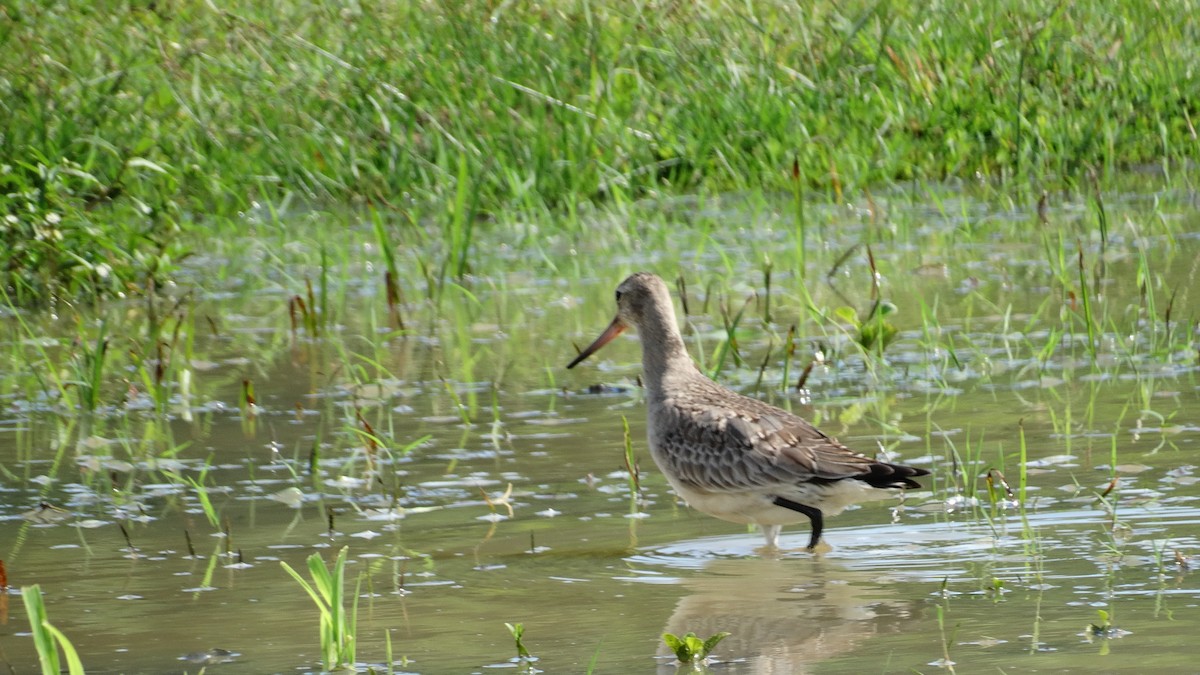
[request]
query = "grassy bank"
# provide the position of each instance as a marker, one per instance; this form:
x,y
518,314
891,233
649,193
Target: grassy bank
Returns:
x,y
125,125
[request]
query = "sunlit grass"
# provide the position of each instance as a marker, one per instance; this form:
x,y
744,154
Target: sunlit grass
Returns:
x,y
135,131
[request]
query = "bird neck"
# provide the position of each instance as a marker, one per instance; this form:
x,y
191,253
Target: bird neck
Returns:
x,y
663,353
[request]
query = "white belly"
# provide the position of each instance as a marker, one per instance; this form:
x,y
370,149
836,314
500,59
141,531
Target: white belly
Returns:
x,y
756,507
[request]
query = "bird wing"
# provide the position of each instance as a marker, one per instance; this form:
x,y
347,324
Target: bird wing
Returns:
x,y
715,442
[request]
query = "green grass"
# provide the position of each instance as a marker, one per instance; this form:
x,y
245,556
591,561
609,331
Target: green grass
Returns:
x,y
444,195
47,639
338,624
132,131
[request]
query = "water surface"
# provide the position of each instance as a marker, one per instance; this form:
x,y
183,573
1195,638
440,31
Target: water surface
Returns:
x,y
477,482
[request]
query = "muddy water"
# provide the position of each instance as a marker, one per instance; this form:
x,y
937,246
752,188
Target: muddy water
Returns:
x,y
952,576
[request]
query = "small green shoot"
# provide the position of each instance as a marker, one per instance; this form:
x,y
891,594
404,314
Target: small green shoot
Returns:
x,y
631,465
995,589
1103,631
875,332
517,630
947,638
690,649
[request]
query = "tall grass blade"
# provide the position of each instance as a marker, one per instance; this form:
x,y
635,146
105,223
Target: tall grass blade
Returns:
x,y
47,639
1086,299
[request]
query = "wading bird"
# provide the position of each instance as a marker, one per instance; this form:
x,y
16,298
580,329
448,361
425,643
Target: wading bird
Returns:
x,y
733,457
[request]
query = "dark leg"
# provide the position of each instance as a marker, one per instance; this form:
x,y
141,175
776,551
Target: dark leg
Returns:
x,y
814,515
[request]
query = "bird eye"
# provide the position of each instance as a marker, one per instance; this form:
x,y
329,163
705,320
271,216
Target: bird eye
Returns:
x,y
618,296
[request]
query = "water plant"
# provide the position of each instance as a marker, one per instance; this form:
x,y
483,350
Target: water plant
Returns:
x,y
47,639
947,636
873,333
337,624
1102,626
517,630
198,484
391,274
691,650
89,370
1103,631
633,472
729,346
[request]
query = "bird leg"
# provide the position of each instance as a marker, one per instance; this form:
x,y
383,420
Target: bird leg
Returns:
x,y
813,514
771,534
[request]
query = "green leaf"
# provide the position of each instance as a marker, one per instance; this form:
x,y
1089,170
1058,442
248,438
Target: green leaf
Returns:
x,y
846,315
43,640
877,333
517,631
74,664
712,642
304,584
678,646
695,647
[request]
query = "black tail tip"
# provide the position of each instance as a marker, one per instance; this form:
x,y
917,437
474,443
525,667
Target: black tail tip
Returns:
x,y
885,475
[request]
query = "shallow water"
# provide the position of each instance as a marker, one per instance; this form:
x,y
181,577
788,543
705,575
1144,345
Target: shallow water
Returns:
x,y
951,573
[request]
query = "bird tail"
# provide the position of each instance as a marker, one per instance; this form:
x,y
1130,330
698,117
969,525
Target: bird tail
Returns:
x,y
885,475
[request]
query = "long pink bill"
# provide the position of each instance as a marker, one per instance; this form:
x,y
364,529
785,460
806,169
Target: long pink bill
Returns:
x,y
614,329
